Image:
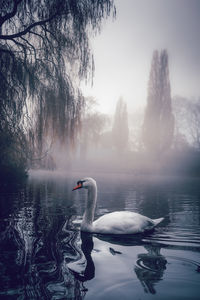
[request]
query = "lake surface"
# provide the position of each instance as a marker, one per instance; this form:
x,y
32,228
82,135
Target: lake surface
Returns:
x,y
44,256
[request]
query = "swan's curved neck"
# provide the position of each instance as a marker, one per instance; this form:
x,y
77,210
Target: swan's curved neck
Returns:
x,y
88,216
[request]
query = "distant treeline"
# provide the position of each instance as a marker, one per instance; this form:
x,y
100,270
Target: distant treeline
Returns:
x,y
165,138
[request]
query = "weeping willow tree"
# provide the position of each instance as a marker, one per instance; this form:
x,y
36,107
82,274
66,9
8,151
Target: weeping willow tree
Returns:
x,y
44,52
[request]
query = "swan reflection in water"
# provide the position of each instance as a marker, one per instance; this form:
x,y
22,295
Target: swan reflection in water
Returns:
x,y
86,247
88,272
149,267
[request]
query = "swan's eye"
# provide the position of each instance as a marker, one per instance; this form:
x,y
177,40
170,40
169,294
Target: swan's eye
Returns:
x,y
80,182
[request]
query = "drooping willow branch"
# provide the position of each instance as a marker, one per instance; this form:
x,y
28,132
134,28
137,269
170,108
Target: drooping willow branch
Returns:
x,y
11,14
27,30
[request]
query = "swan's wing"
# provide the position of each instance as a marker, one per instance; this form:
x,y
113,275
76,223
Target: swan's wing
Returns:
x,y
122,222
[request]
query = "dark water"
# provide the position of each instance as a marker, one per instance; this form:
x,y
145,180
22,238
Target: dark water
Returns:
x,y
44,256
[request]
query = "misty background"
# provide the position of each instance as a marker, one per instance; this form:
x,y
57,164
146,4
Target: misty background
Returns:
x,y
119,101
123,56
123,99
125,47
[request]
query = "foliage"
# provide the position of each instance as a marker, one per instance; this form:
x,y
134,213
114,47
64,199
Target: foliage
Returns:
x,y
12,158
187,114
120,131
194,123
158,124
44,48
92,125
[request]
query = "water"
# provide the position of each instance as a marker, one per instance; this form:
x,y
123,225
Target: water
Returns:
x,y
44,256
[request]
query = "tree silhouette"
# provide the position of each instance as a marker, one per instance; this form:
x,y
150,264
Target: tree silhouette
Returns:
x,y
158,126
92,126
120,130
187,114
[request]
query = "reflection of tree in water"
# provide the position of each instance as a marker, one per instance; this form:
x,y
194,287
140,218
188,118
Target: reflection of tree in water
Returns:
x,y
111,197
36,245
153,200
150,268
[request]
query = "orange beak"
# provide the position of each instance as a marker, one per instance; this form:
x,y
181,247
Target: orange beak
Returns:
x,y
79,186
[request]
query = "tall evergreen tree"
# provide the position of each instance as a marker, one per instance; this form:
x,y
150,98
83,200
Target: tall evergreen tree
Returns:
x,y
158,126
120,130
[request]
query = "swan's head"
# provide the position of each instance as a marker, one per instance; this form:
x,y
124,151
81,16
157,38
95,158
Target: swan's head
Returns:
x,y
85,183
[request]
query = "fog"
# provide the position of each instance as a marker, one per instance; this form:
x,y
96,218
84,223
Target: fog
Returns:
x,y
162,138
123,51
118,143
142,113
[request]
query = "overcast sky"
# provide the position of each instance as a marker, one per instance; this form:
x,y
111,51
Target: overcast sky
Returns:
x,y
123,50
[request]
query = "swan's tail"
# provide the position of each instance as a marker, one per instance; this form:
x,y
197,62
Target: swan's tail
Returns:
x,y
157,221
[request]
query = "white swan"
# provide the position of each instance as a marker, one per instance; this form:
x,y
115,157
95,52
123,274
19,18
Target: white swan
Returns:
x,y
119,222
